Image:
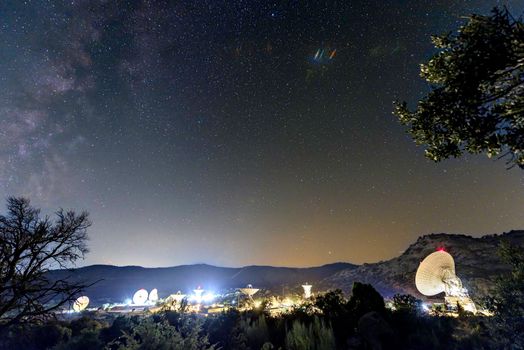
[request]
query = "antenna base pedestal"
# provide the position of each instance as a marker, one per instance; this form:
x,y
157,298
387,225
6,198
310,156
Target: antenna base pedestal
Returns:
x,y
465,302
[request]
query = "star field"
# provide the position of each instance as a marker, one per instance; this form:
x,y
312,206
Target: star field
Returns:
x,y
212,131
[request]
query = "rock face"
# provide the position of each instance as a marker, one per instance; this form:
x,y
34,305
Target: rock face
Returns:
x,y
476,263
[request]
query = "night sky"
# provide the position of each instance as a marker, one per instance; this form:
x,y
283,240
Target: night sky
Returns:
x,y
237,132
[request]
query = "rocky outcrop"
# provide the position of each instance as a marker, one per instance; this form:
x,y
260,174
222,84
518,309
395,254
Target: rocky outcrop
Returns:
x,y
476,262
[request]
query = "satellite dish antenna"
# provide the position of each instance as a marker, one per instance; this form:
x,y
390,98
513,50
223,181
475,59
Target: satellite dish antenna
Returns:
x,y
178,297
153,296
433,272
80,304
436,274
198,294
307,290
249,291
140,297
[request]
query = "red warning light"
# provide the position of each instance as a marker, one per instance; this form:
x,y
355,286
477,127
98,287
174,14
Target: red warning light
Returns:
x,y
441,249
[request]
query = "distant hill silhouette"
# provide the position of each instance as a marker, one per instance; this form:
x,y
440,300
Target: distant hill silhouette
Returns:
x,y
476,263
117,284
476,260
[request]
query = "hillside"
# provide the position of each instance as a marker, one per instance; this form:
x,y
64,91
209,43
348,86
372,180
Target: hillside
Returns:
x,y
116,284
476,263
476,260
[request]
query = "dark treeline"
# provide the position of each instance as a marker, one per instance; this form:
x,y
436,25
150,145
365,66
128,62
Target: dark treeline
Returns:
x,y
329,321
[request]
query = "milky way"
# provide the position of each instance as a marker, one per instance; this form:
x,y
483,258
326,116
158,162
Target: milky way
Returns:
x,y
237,132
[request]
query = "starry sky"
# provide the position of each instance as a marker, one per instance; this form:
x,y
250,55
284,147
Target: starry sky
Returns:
x,y
237,132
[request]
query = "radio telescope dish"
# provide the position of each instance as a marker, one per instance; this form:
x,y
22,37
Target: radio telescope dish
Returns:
x,y
153,296
433,271
307,290
249,291
80,304
198,294
436,274
140,297
198,291
177,298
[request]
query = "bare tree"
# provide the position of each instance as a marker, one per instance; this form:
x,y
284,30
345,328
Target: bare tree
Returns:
x,y
30,246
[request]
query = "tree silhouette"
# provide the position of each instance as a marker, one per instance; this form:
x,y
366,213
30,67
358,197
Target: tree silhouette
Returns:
x,y
476,104
160,335
406,302
508,300
364,299
31,245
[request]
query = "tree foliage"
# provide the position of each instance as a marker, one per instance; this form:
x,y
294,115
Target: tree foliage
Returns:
x,y
256,331
407,303
31,245
476,103
392,329
315,336
160,335
508,301
364,299
332,303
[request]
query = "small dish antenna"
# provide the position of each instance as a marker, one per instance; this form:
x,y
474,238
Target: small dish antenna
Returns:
x,y
80,304
178,297
307,290
140,297
249,291
198,294
153,296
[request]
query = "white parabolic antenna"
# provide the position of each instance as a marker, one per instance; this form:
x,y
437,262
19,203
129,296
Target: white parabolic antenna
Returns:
x,y
307,290
80,304
436,274
178,297
249,291
153,295
433,273
140,297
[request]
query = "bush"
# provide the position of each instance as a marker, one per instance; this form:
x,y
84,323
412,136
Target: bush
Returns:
x,y
88,339
316,336
364,299
407,303
151,335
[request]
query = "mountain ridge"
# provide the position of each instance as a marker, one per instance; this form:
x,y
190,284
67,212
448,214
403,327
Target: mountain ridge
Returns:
x,y
118,283
204,264
477,264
